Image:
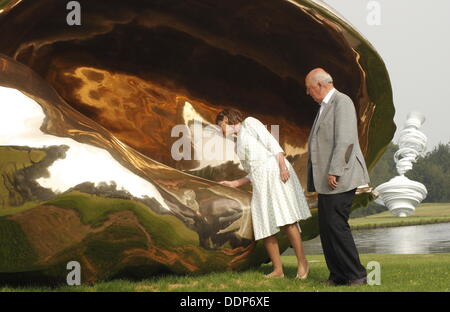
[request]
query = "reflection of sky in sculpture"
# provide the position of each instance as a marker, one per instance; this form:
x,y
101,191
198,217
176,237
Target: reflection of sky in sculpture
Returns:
x,y
20,126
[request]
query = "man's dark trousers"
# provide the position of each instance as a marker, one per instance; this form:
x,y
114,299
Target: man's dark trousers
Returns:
x,y
336,237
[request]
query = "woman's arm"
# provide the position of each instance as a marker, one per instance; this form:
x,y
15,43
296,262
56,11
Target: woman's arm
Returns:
x,y
236,183
242,181
281,161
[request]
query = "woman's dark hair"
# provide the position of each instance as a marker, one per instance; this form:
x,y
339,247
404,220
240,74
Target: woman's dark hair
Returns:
x,y
234,116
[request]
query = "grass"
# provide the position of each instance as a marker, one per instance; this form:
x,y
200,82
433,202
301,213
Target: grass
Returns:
x,y
425,214
404,273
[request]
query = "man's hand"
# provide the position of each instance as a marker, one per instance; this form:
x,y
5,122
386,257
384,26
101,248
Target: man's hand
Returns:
x,y
229,183
332,181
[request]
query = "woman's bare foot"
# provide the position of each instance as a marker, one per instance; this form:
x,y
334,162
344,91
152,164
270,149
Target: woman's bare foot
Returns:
x,y
303,269
275,274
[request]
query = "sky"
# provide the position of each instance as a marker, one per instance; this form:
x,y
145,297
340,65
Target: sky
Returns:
x,y
413,38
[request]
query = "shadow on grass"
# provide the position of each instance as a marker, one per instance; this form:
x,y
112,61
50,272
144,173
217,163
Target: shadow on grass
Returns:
x,y
138,278
28,279
37,279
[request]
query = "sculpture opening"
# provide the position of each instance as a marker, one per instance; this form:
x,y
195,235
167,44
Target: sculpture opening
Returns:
x,y
118,84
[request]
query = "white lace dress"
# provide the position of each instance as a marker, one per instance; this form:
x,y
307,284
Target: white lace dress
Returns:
x,y
273,203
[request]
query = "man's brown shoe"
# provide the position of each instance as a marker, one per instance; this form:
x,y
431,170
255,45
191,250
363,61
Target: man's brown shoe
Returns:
x,y
330,282
358,282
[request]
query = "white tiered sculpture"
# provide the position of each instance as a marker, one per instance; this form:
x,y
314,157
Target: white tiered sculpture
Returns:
x,y
402,195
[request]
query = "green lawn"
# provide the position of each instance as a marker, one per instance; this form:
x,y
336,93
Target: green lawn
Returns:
x,y
424,214
398,273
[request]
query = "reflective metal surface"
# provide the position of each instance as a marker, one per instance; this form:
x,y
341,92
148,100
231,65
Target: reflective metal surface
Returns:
x,y
87,115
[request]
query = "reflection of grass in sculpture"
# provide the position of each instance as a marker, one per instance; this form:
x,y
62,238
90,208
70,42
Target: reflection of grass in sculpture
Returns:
x,y
17,209
15,249
150,243
116,237
14,243
20,251
106,250
398,273
94,210
425,214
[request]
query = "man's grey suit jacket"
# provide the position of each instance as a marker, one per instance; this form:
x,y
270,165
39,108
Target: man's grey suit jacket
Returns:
x,y
333,148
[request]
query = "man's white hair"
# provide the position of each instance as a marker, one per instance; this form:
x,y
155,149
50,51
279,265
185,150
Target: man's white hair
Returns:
x,y
322,76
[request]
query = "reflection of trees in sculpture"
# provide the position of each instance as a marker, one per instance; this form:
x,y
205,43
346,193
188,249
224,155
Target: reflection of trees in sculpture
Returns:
x,y
20,167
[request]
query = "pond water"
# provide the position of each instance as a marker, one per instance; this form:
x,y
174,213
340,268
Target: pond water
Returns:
x,y
416,239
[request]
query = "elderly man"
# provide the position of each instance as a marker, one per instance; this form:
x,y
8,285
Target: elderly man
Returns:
x,y
336,167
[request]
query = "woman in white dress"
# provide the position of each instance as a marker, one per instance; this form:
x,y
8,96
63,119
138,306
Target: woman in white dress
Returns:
x,y
278,199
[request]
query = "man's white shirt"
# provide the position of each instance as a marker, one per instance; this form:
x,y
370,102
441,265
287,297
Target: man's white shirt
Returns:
x,y
326,99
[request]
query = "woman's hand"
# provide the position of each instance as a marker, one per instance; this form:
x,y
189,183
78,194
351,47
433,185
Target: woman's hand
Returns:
x,y
284,174
229,183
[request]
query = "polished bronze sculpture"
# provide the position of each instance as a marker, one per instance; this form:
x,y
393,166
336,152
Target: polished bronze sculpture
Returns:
x,y
87,165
